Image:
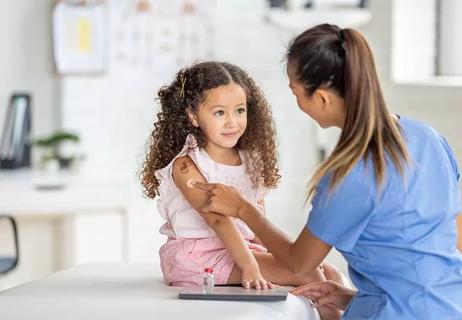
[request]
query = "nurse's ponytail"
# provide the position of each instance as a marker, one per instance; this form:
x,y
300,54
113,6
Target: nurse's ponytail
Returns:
x,y
328,57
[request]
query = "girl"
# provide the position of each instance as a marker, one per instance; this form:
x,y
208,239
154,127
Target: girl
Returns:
x,y
387,197
215,126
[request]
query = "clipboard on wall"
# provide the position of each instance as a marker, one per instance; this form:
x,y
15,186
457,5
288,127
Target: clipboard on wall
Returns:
x,y
80,37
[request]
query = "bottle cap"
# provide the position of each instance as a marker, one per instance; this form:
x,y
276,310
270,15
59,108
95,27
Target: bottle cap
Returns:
x,y
208,270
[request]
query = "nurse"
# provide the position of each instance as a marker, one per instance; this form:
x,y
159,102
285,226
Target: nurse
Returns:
x,y
387,197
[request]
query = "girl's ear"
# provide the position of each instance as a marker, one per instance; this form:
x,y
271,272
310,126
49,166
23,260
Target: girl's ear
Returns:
x,y
192,117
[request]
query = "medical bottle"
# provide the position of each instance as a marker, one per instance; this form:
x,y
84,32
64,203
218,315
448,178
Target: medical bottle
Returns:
x,y
209,280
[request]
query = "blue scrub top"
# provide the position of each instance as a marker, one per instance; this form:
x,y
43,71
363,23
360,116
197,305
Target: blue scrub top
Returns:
x,y
399,239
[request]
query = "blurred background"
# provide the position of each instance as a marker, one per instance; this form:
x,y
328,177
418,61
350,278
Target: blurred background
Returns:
x,y
78,81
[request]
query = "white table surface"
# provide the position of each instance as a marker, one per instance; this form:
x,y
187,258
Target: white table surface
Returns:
x,y
129,291
20,195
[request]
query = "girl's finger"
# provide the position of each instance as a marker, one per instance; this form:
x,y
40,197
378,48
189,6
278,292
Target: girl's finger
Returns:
x,y
263,284
257,284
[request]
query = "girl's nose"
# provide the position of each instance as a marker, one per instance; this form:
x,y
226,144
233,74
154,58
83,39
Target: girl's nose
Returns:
x,y
231,121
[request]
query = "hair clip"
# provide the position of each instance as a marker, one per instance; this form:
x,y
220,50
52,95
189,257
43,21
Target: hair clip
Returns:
x,y
183,82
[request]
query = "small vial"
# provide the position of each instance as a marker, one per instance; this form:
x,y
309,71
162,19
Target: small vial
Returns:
x,y
209,280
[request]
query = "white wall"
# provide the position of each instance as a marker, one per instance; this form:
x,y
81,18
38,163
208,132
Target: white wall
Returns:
x,y
438,105
413,39
450,51
114,113
26,63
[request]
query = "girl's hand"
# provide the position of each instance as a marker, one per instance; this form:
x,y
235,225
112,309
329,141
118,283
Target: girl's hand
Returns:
x,y
326,293
223,199
252,278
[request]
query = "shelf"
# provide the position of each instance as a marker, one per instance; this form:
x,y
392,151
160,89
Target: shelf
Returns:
x,y
300,20
432,81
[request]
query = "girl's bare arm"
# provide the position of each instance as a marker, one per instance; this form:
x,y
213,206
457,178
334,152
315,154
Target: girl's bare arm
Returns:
x,y
184,169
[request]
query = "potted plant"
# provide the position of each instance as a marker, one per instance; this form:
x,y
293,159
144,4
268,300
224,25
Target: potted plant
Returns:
x,y
57,148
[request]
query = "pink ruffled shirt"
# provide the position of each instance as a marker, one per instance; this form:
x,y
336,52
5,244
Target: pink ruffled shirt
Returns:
x,y
181,219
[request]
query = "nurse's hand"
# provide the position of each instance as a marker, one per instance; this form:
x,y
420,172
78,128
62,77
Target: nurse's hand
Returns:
x,y
326,293
223,199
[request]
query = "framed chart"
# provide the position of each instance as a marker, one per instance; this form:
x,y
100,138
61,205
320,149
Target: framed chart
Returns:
x,y
80,37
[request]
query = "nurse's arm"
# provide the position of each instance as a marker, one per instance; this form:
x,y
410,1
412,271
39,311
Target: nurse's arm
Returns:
x,y
301,256
459,231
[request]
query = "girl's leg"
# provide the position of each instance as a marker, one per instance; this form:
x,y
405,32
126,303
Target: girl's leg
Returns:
x,y
275,272
332,273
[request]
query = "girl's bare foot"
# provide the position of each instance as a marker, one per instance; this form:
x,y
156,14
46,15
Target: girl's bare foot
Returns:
x,y
332,273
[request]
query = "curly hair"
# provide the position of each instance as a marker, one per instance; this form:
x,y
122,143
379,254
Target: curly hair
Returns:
x,y
189,89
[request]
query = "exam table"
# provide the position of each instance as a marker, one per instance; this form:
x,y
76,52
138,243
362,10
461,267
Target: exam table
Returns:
x,y
130,291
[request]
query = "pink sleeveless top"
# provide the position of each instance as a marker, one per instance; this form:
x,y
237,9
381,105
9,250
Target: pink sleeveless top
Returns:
x,y
181,219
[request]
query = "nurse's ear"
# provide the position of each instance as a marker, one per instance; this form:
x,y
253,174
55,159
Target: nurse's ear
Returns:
x,y
323,98
331,108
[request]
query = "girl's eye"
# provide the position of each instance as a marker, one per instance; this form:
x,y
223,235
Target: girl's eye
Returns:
x,y
218,113
241,110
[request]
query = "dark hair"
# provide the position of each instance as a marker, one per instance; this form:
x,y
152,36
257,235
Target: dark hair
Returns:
x,y
329,57
189,89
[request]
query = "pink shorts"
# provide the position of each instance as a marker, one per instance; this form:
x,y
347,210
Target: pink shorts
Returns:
x,y
183,260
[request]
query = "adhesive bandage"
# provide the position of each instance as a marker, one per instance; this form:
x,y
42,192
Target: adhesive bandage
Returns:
x,y
190,183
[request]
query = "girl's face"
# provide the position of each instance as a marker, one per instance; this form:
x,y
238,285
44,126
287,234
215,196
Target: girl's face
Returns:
x,y
223,116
